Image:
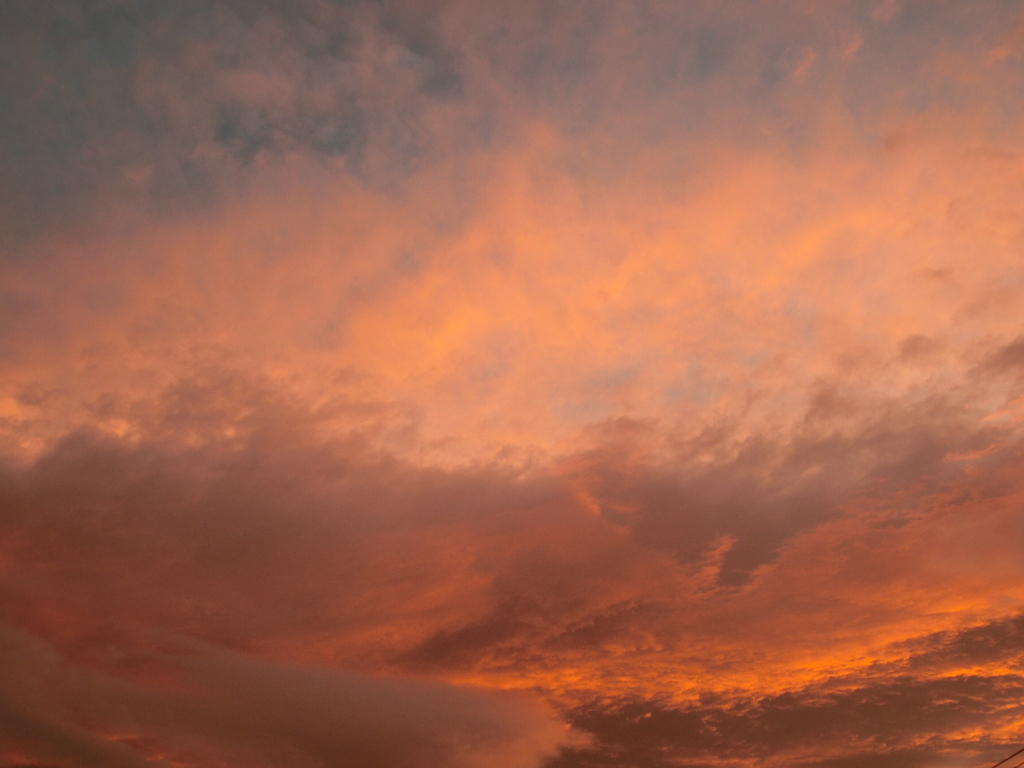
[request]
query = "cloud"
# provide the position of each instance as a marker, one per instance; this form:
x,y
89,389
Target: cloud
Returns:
x,y
262,533
136,101
660,360
184,703
902,715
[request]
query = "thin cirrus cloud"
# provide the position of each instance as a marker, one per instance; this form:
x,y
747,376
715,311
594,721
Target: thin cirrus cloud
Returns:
x,y
570,384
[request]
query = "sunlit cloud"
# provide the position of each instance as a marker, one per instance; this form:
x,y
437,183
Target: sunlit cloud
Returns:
x,y
558,384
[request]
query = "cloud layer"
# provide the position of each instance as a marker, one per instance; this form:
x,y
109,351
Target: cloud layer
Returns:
x,y
448,383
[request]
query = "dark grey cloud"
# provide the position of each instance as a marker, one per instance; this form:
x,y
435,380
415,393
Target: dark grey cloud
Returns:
x,y
1008,358
882,721
174,103
236,542
767,489
998,641
275,530
201,705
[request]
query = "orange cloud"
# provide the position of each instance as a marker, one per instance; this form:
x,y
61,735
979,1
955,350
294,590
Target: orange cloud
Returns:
x,y
661,364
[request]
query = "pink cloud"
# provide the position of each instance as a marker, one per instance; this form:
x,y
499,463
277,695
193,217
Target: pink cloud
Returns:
x,y
660,363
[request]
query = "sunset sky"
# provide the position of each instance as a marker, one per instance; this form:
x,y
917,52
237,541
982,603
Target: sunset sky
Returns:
x,y
534,384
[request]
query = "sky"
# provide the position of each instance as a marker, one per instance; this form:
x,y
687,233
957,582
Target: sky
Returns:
x,y
548,384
